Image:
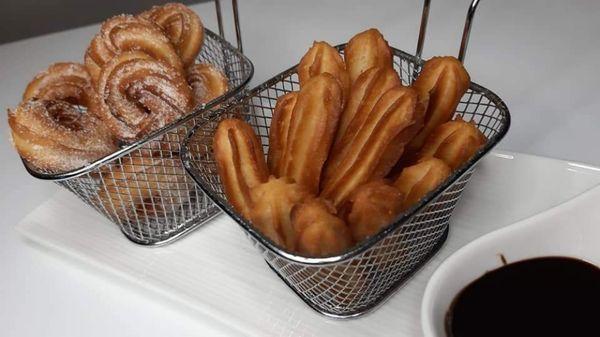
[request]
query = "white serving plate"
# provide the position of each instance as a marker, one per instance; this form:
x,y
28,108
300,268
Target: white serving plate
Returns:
x,y
571,229
220,279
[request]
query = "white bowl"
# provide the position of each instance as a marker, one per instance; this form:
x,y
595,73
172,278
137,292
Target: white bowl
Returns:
x,y
570,229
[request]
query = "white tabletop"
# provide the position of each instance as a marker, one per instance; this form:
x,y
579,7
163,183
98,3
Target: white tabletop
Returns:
x,y
540,56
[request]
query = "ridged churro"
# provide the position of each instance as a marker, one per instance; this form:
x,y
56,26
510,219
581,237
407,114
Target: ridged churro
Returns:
x,y
417,180
365,50
361,148
280,126
323,58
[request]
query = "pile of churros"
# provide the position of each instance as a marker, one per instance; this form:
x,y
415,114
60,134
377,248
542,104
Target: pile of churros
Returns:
x,y
139,74
350,151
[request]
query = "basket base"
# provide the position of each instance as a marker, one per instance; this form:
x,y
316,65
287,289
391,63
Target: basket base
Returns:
x,y
195,223
384,297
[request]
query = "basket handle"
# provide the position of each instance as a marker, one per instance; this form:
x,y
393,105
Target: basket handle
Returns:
x,y
236,21
466,31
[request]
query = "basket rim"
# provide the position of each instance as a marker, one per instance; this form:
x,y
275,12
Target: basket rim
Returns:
x,y
197,111
364,245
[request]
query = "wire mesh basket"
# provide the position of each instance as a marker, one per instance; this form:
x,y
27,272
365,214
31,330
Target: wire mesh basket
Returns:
x,y
143,187
351,283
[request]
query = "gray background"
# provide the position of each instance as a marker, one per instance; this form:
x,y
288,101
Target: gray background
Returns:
x,y
26,18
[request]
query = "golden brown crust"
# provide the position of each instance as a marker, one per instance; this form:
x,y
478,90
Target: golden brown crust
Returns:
x,y
454,142
366,50
312,129
182,26
364,144
371,207
417,180
55,136
278,132
319,231
240,162
323,58
64,81
207,82
140,94
124,33
272,203
442,83
365,92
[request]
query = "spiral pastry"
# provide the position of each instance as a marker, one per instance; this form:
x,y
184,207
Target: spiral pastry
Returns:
x,y
323,58
140,94
128,33
65,81
182,26
56,136
207,82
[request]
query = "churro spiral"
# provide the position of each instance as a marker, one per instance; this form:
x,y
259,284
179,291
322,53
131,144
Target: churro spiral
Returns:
x,y
57,136
454,142
312,129
140,94
443,81
323,58
417,180
128,33
360,150
278,133
240,162
182,26
207,82
366,50
65,81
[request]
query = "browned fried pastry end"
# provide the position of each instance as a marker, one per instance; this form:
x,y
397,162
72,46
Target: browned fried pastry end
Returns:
x,y
366,50
272,204
442,82
364,94
139,94
56,136
364,144
207,82
323,58
123,33
319,231
454,142
240,162
182,26
371,207
312,129
64,81
278,132
417,180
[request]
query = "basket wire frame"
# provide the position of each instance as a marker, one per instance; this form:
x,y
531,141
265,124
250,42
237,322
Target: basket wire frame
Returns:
x,y
357,280
143,188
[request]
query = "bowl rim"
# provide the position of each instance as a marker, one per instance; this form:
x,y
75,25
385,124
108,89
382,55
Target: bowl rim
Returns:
x,y
373,240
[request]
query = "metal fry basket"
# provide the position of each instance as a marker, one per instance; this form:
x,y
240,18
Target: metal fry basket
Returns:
x,y
150,197
354,282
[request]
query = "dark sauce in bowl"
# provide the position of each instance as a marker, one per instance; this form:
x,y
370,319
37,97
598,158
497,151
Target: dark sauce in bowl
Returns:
x,y
547,296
